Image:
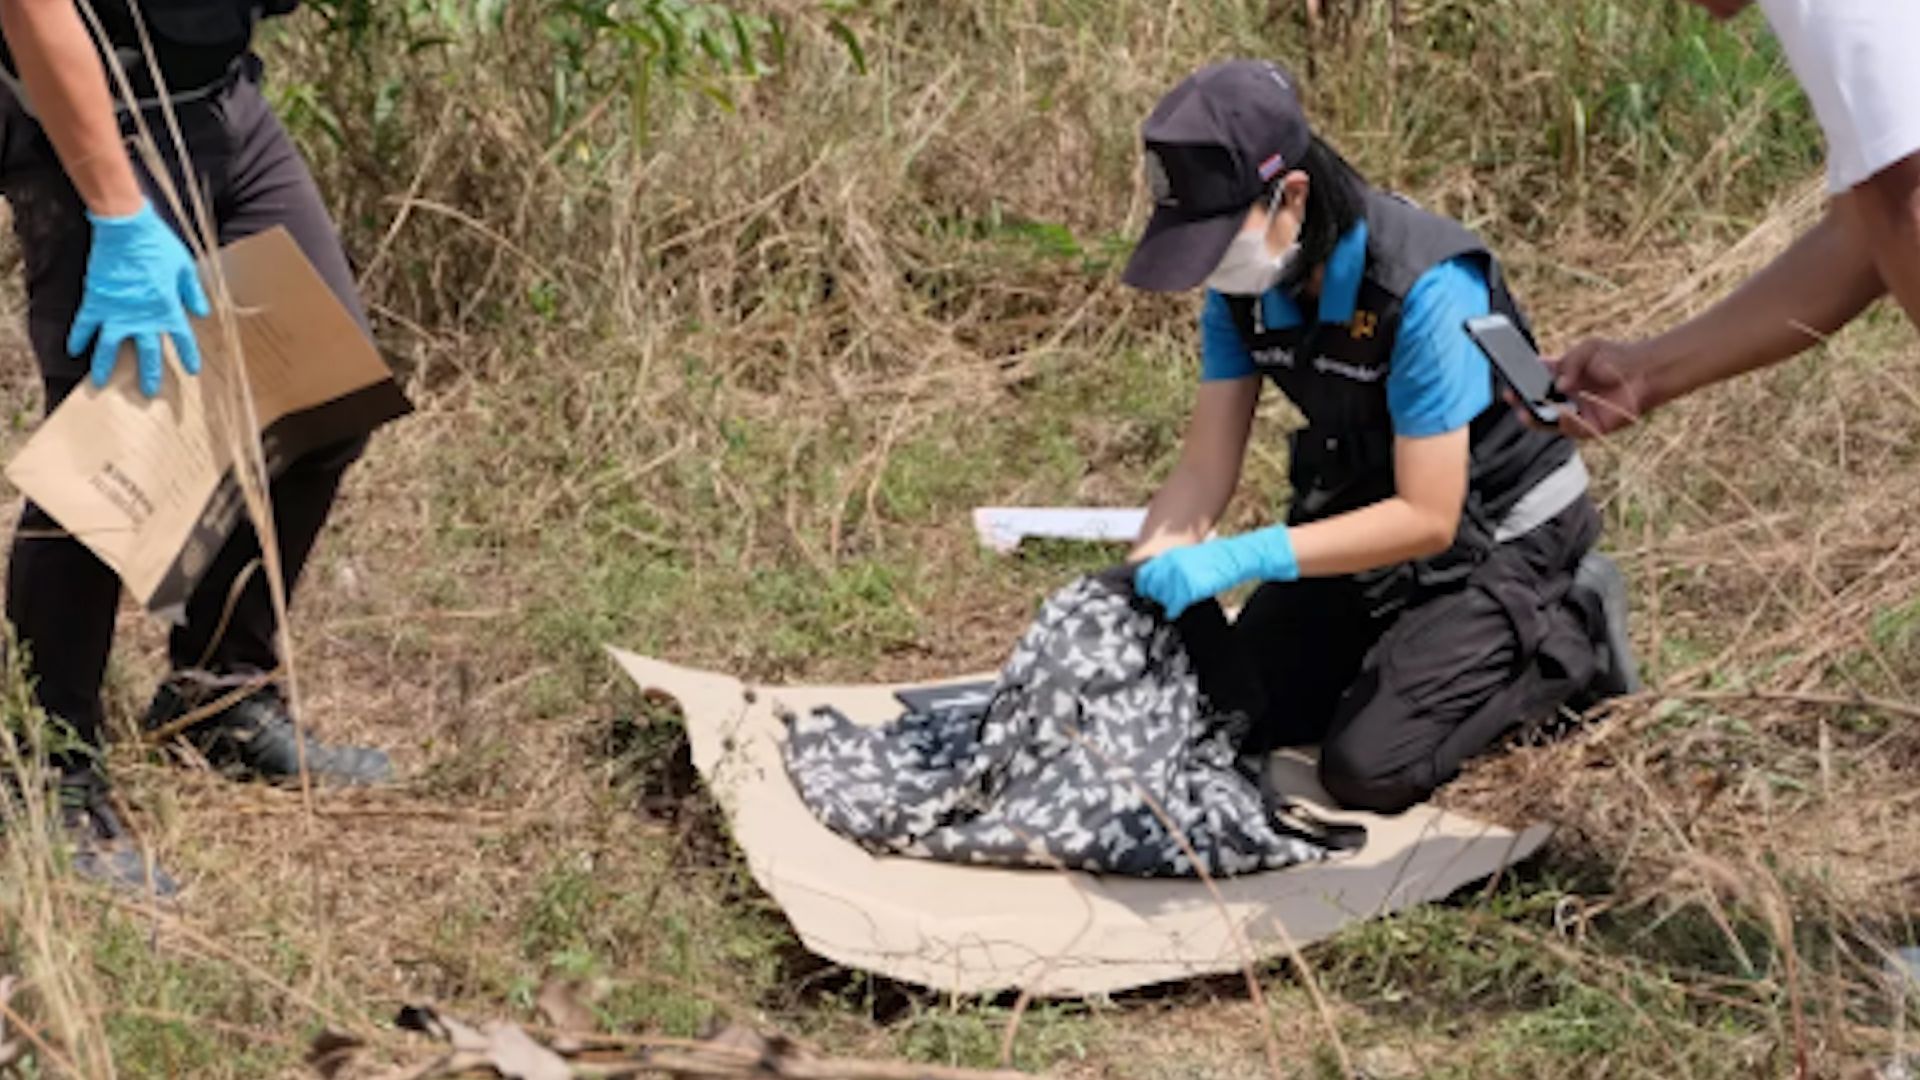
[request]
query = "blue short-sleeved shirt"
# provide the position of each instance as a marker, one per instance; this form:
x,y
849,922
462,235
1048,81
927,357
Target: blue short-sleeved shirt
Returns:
x,y
1437,381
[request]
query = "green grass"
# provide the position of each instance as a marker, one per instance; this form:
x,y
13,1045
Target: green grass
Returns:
x,y
1484,981
198,993
971,1035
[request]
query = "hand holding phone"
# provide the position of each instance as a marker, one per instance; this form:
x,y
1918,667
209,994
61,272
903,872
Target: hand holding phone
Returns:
x,y
1520,369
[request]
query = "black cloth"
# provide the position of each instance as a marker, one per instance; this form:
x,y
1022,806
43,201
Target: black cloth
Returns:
x,y
1101,750
1400,700
1337,376
60,598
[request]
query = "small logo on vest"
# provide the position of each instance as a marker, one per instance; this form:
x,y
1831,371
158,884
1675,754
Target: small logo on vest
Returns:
x,y
1365,323
1327,365
1273,356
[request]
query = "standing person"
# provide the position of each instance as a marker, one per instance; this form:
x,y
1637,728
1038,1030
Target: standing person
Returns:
x,y
1434,587
1855,60
106,269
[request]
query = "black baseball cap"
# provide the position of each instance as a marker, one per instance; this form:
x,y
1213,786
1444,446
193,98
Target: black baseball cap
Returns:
x,y
1212,147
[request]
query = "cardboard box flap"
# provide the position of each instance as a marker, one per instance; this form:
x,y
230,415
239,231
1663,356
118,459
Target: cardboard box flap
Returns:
x,y
148,485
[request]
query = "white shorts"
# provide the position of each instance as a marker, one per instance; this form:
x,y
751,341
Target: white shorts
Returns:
x,y
1859,61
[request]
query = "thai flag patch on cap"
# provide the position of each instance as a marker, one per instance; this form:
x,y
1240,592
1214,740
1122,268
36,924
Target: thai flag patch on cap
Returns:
x,y
1270,168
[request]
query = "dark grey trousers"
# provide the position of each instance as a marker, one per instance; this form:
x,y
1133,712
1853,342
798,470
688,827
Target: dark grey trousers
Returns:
x,y
60,599
1399,702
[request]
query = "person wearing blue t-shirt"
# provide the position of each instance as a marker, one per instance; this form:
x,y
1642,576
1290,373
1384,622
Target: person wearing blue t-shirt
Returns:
x,y
1434,588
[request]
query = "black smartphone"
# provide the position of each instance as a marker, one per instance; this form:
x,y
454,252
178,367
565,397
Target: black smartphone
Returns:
x,y
1519,367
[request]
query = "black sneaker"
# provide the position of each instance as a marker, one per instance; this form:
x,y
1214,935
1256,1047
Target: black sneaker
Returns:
x,y
102,850
255,738
1600,590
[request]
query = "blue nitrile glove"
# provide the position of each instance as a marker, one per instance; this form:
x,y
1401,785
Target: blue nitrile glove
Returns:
x,y
1183,577
141,282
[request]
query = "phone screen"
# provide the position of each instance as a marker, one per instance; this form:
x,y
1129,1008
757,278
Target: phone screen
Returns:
x,y
1518,365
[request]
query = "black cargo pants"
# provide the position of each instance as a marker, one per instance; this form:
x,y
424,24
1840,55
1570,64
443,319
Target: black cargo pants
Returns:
x,y
61,600
1400,700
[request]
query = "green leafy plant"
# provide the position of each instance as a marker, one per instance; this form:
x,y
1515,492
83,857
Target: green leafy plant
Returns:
x,y
642,51
639,47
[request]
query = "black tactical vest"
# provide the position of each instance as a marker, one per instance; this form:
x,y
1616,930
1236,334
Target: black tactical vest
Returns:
x,y
1337,376
195,41
193,23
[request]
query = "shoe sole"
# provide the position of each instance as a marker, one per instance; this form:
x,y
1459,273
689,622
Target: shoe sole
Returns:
x,y
241,773
1601,575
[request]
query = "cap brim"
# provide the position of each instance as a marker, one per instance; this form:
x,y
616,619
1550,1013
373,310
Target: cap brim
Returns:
x,y
1177,252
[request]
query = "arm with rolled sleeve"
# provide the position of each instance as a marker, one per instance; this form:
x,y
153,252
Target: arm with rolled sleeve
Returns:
x,y
1437,382
141,282
63,75
1854,59
1196,493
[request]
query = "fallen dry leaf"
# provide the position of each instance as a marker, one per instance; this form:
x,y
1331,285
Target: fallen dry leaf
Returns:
x,y
501,1046
734,1051
516,1056
560,1004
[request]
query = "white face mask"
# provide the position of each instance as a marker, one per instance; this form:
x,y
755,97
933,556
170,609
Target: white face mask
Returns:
x,y
1247,269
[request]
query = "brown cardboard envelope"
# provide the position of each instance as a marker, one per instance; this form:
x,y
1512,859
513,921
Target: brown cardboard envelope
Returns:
x,y
148,484
973,929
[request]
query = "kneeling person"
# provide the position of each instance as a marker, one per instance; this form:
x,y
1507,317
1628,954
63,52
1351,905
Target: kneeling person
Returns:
x,y
1434,587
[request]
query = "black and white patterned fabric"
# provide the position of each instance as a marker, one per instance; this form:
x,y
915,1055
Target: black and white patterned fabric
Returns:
x,y
1097,727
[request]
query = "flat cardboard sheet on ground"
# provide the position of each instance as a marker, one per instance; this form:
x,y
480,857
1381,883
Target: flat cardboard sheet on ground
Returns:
x,y
973,929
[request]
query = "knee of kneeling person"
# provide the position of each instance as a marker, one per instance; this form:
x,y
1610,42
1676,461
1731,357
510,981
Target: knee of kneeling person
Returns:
x,y
1358,782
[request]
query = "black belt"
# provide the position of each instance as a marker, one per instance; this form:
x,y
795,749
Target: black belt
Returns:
x,y
135,65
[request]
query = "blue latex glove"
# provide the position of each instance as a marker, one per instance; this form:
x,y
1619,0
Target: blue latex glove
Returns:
x,y
1183,577
141,282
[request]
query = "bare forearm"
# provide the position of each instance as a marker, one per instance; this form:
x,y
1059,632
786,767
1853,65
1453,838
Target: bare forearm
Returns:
x,y
1184,511
1418,521
1190,503
1431,470
1388,532
1898,259
1811,290
64,77
1884,214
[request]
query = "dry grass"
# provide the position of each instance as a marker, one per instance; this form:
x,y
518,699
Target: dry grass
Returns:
x,y
727,397
1763,782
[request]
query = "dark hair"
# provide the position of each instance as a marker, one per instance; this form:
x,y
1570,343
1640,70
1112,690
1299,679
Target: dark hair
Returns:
x,y
1336,202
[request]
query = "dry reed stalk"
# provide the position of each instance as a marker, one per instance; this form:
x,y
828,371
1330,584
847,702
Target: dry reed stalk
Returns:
x,y
35,915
